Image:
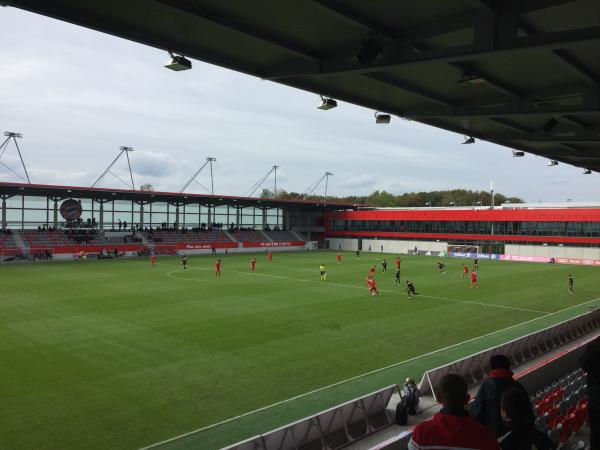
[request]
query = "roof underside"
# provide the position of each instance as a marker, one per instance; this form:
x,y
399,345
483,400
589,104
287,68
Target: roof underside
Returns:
x,y
8,190
529,61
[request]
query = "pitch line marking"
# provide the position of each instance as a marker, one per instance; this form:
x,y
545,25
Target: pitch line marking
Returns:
x,y
490,305
356,377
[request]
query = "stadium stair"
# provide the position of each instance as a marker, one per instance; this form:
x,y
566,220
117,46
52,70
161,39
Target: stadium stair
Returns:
x,y
266,236
298,235
145,241
230,236
20,242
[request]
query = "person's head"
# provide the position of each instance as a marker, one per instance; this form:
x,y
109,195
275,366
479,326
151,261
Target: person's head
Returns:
x,y
410,382
515,409
499,362
451,391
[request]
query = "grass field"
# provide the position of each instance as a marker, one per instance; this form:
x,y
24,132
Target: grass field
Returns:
x,y
115,354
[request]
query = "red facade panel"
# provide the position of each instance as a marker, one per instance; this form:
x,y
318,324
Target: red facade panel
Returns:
x,y
464,237
473,215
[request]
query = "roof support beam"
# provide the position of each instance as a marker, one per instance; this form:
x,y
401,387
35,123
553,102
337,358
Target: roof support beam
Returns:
x,y
397,57
248,30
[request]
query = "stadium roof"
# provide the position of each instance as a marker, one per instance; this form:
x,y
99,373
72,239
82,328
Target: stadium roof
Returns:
x,y
63,192
524,74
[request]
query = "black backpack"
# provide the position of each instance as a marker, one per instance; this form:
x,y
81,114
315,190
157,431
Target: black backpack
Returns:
x,y
402,412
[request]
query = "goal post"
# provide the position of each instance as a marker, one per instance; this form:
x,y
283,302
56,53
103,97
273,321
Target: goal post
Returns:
x,y
464,251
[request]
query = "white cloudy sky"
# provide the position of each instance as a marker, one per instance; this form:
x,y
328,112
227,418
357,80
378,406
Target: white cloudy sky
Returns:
x,y
77,95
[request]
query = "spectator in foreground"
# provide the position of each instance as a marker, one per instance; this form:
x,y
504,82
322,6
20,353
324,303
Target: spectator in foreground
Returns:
x,y
590,362
486,406
520,421
452,427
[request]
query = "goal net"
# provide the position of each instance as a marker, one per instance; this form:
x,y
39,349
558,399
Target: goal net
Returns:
x,y
466,251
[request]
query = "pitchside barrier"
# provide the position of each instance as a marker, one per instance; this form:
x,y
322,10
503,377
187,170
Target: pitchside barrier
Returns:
x,y
330,429
475,367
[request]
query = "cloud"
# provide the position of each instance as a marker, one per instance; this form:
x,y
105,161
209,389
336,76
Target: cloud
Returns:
x,y
68,91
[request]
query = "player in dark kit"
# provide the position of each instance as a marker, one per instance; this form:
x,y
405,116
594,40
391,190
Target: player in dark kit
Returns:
x,y
357,253
184,261
570,283
476,263
410,289
397,275
442,268
384,265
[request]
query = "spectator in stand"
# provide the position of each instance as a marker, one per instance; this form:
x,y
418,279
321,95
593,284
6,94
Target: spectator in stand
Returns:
x,y
452,427
590,362
120,225
410,394
518,417
486,406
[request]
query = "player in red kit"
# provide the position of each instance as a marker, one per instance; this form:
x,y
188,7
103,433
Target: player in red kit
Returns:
x,y
153,259
473,280
270,255
372,271
465,271
372,289
338,258
218,268
398,261
253,263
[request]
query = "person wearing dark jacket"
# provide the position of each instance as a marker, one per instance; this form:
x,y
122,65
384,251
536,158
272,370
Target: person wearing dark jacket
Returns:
x,y
590,362
520,421
486,406
452,428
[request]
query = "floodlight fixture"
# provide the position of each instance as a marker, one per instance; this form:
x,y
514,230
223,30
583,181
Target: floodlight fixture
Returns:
x,y
382,118
327,103
552,162
178,63
549,125
587,172
471,80
469,140
518,154
126,149
12,134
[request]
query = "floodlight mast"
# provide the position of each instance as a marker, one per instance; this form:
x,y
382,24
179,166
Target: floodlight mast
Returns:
x,y
11,135
123,149
260,182
310,189
209,161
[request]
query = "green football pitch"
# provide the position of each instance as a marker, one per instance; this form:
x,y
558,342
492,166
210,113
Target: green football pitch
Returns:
x,y
116,354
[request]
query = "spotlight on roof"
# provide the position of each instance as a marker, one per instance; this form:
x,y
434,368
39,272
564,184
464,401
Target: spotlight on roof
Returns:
x,y
518,154
369,52
587,172
552,162
12,134
382,118
470,80
469,140
327,103
178,63
549,125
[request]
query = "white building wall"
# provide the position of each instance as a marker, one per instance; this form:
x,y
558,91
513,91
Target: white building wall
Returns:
x,y
552,251
389,246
